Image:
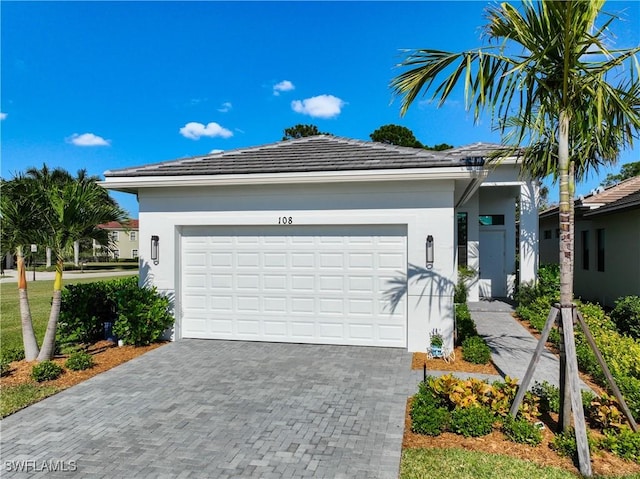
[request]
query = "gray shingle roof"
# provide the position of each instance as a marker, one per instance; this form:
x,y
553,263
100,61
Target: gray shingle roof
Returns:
x,y
312,154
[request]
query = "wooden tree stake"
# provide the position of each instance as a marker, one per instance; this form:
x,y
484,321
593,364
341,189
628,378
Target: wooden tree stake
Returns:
x,y
582,444
524,385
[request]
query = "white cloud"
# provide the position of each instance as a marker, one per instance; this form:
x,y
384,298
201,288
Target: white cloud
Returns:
x,y
87,139
322,106
225,107
215,151
3,116
194,130
284,85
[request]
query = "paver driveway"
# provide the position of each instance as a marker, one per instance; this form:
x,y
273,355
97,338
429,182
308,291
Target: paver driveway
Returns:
x,y
218,409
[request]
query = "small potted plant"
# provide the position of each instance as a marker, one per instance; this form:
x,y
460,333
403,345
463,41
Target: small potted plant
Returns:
x,y
435,343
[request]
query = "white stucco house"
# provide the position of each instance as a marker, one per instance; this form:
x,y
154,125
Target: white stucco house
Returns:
x,y
329,240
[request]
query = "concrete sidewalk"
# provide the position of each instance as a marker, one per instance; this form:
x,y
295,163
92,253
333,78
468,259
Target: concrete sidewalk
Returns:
x,y
512,345
11,275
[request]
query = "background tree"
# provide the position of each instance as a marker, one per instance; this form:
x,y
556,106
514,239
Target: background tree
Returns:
x,y
627,171
300,131
402,136
549,84
395,135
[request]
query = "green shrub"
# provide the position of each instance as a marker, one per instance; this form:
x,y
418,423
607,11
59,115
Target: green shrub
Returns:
x,y
143,313
565,444
4,367
549,396
465,327
626,316
461,290
12,354
624,443
548,284
472,421
428,419
428,416
84,309
475,350
140,315
522,431
79,361
46,371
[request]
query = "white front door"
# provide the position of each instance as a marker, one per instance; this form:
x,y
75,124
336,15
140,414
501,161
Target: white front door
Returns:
x,y
493,277
305,284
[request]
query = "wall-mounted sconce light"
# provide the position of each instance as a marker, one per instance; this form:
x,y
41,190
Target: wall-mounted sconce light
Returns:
x,y
429,251
155,249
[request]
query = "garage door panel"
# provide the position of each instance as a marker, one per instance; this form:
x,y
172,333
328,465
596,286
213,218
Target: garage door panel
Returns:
x,y
275,329
247,327
302,284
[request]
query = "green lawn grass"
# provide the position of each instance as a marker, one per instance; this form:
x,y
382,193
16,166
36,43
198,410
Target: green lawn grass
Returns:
x,y
40,293
461,464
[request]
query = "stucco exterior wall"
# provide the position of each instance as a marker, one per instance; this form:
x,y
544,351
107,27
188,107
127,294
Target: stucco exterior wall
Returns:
x,y
621,275
549,246
424,207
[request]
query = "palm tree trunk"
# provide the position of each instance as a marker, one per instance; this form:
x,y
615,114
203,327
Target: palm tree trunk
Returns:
x,y
565,213
49,341
29,341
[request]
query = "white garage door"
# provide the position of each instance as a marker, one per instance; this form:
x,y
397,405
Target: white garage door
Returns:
x,y
324,285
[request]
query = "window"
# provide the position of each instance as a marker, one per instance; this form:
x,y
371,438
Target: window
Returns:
x,y
600,246
491,220
462,239
116,253
547,234
114,235
133,235
134,253
584,235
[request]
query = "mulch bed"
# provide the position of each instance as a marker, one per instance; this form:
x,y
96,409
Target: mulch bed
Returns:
x,y
602,463
459,364
105,355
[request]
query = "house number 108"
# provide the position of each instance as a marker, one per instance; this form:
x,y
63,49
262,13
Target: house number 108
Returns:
x,y
285,220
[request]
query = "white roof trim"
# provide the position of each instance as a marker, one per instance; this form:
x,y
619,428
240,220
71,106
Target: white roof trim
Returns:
x,y
131,183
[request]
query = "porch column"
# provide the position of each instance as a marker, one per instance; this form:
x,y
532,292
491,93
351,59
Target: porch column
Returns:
x,y
528,231
48,257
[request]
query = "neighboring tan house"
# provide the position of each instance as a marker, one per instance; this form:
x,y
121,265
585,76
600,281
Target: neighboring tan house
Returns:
x,y
607,242
124,240
330,240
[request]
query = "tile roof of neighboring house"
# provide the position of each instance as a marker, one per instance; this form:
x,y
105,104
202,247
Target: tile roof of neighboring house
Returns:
x,y
114,225
612,193
624,203
313,154
623,195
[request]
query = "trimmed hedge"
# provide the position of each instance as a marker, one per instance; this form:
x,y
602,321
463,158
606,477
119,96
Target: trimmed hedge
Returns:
x,y
140,315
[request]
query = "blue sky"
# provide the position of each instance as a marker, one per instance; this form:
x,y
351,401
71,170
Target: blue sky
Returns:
x,y
105,85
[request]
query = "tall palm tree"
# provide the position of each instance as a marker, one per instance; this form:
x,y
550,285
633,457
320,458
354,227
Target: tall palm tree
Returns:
x,y
74,209
549,82
19,216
